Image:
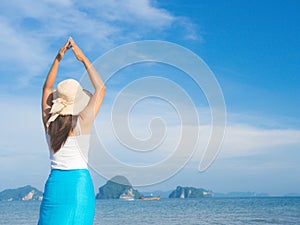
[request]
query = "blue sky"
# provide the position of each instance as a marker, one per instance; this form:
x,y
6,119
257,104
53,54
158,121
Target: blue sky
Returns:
x,y
252,47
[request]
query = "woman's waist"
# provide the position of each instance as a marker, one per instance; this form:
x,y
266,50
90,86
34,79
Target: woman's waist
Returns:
x,y
66,174
74,176
71,171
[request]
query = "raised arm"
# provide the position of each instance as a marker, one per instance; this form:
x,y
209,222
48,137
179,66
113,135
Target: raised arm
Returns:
x,y
90,112
49,82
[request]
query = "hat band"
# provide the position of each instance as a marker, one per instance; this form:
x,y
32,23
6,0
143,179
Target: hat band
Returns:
x,y
58,105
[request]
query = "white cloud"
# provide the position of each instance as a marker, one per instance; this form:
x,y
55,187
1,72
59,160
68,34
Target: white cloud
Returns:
x,y
23,141
22,121
20,54
28,36
23,149
136,13
243,140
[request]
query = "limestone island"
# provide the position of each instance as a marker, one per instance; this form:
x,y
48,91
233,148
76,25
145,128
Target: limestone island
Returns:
x,y
25,193
190,192
118,188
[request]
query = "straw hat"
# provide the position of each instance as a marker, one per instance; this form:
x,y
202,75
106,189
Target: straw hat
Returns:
x,y
69,98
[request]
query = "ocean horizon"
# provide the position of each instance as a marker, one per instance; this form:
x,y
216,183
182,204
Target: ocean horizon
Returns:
x,y
262,210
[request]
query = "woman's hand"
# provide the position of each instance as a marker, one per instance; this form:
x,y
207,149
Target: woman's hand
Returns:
x,y
77,51
63,49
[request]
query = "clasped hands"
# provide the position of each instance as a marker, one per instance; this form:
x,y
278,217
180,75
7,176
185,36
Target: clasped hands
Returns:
x,y
70,44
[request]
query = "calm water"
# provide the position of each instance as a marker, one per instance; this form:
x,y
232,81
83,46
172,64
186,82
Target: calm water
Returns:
x,y
173,211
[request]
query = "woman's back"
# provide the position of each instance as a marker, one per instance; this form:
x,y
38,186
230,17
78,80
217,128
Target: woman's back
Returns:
x,y
72,155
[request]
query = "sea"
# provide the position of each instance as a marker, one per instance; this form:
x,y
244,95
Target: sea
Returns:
x,y
269,210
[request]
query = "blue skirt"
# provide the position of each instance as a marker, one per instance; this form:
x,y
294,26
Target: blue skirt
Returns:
x,y
68,199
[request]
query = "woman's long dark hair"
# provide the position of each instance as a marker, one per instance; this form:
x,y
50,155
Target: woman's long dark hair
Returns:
x,y
60,129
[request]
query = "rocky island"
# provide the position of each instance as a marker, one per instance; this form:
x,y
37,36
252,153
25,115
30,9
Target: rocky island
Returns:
x,y
190,192
118,188
25,193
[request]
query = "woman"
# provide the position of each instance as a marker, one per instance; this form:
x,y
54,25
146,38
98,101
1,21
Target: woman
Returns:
x,y
68,114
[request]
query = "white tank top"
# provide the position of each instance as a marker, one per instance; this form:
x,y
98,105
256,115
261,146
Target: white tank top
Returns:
x,y
72,155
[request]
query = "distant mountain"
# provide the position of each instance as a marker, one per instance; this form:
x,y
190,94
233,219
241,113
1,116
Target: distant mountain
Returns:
x,y
118,188
240,195
292,195
21,194
190,192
